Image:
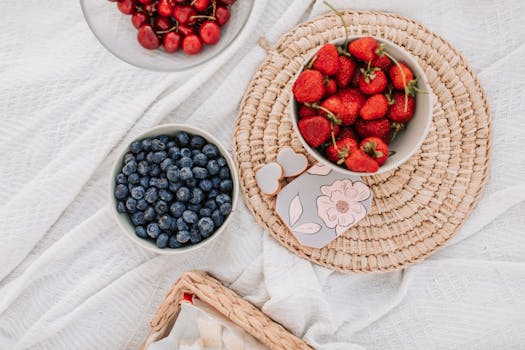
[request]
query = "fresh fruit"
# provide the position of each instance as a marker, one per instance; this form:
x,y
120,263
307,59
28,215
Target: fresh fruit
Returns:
x,y
201,5
162,23
348,133
138,19
382,62
334,105
326,60
341,150
147,37
309,86
377,128
171,42
210,32
396,76
331,87
192,44
185,30
222,14
372,81
374,108
352,100
184,14
359,161
364,48
375,148
315,130
127,7
165,8
346,71
397,111
305,111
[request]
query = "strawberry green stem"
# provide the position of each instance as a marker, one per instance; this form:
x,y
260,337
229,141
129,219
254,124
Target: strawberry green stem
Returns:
x,y
396,62
338,14
333,135
331,116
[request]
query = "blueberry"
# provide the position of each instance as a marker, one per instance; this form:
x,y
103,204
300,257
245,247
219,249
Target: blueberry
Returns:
x,y
206,185
190,216
170,144
165,222
194,207
121,179
197,196
186,174
205,226
164,138
135,147
200,160
195,235
173,173
183,194
185,162
138,218
154,170
144,181
157,145
163,183
146,144
142,204
161,207
159,156
174,153
182,139
221,161
128,157
216,182
121,191
223,198
226,186
197,142
140,156
129,168
153,230
191,183
225,209
211,151
200,173
143,168
182,225
134,179
186,152
213,193
141,232
151,194
131,205
165,195
149,157
210,204
217,218
174,186
138,192
205,212
224,173
194,152
173,243
166,163
183,236
162,240
150,214
121,207
213,167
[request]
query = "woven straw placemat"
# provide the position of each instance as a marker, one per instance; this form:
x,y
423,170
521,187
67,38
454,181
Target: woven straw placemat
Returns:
x,y
417,207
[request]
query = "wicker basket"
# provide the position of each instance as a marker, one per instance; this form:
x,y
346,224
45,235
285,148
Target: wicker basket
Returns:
x,y
227,303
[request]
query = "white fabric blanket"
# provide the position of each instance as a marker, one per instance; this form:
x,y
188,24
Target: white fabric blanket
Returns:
x,y
70,280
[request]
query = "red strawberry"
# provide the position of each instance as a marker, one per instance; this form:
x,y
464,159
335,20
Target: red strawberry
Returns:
x,y
341,150
372,83
397,77
352,100
315,130
361,162
375,148
397,112
364,48
309,87
374,108
348,133
331,87
346,71
327,59
382,62
377,128
356,76
337,130
334,105
305,111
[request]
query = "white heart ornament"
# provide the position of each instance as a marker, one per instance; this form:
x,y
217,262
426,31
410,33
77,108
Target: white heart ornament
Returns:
x,y
269,178
292,163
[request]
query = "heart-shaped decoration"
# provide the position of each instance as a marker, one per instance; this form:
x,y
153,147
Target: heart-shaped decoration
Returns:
x,y
292,163
269,178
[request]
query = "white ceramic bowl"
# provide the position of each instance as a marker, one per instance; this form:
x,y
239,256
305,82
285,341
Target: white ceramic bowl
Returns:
x,y
407,141
124,221
116,33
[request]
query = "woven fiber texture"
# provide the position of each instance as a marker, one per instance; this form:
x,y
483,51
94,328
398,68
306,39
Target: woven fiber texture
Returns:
x,y
417,207
226,302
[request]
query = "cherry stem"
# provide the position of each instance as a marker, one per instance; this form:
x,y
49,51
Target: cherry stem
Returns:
x,y
214,7
202,16
174,28
338,14
396,62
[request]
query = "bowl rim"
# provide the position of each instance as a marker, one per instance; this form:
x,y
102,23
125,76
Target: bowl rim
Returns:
x,y
167,129
412,62
155,68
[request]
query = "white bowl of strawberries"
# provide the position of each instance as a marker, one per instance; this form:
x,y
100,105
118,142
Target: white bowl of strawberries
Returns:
x,y
361,105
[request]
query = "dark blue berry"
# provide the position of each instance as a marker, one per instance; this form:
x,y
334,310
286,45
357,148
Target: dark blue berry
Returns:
x,y
224,173
186,174
140,157
151,194
182,139
205,226
146,144
143,168
226,186
141,232
225,208
165,222
131,205
183,194
144,181
174,186
183,236
173,243
221,161
197,142
182,225
170,144
161,207
186,152
150,214
138,192
163,183
217,218
134,179
216,182
142,204
153,230
213,193
166,163
121,191
164,138
205,212
138,218
174,153
213,167
173,173
200,159
195,236
154,170
135,147
191,183
121,207
162,240
197,196
177,208
210,204
165,195
194,152
149,157
206,185
157,145
200,173
129,168
190,216
128,157
121,179
211,151
185,162
159,156
223,198
195,207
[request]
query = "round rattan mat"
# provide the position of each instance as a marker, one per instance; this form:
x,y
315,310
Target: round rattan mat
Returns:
x,y
417,207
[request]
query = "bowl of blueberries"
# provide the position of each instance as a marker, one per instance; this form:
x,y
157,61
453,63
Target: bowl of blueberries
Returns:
x,y
174,189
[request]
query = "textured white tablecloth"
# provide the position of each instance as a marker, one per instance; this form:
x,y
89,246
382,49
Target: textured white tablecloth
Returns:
x,y
70,280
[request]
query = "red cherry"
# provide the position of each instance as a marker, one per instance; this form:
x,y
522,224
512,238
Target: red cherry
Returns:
x,y
183,14
210,32
138,19
147,37
149,8
192,44
127,7
201,5
185,30
222,14
171,42
165,8
145,2
162,23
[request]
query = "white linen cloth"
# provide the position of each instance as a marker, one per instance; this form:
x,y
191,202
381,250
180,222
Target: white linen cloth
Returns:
x,y
70,280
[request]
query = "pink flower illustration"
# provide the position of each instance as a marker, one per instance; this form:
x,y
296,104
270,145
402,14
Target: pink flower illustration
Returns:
x,y
341,207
